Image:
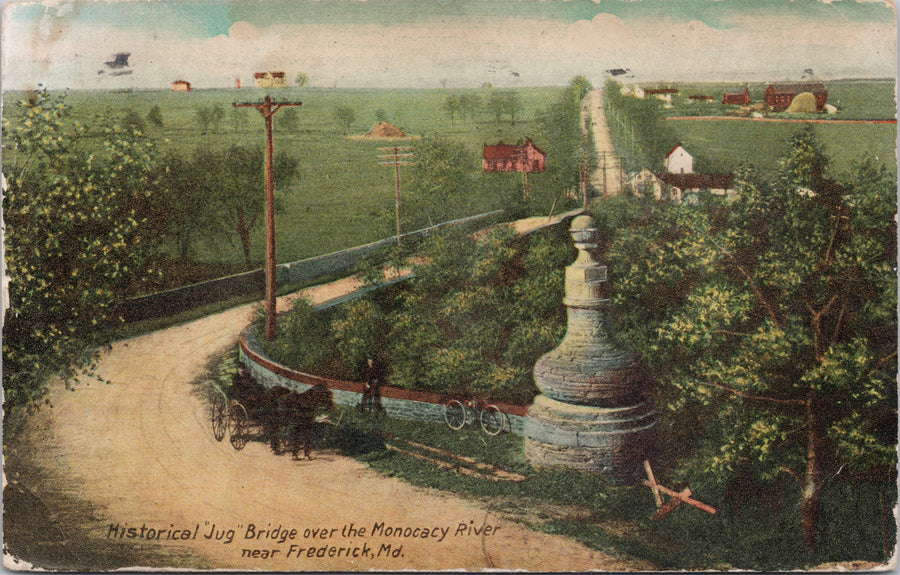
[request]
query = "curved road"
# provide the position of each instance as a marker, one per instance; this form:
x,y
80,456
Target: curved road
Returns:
x,y
141,451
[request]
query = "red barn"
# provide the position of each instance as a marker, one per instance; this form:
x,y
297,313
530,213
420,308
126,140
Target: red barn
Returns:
x,y
781,95
737,97
514,158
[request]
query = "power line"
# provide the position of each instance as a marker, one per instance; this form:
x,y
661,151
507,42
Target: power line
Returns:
x,y
268,108
399,156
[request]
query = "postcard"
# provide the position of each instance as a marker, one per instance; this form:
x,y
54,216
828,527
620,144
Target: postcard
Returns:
x,y
384,285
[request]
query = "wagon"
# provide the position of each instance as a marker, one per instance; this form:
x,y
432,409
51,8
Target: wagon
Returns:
x,y
255,411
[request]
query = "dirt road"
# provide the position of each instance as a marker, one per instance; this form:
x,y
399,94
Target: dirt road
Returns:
x,y
607,178
141,452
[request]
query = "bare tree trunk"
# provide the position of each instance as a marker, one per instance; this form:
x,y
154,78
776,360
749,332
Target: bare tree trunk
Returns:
x,y
812,485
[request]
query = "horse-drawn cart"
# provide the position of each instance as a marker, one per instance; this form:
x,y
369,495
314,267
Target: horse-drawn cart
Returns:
x,y
253,411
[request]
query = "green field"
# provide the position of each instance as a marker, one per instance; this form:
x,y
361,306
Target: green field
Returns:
x,y
342,198
723,145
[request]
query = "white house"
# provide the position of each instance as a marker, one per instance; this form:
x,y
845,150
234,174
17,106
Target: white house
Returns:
x,y
678,161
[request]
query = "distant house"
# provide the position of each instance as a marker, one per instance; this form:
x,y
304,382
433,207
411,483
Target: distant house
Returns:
x,y
679,161
655,91
514,158
181,86
269,80
781,95
737,96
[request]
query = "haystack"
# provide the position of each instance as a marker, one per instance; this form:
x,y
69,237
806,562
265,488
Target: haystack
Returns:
x,y
386,130
803,103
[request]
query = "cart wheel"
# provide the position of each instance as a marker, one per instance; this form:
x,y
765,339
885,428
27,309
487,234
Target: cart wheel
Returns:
x,y
493,420
219,415
240,425
455,414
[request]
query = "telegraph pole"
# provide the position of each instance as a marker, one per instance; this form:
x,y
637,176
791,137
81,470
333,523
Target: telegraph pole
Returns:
x,y
268,108
398,157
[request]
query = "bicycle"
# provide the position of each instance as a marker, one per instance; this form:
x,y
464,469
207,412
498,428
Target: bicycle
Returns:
x,y
458,414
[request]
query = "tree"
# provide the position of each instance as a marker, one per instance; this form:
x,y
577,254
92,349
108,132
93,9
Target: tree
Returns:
x,y
288,120
154,116
344,116
302,79
496,105
133,122
470,105
452,106
78,241
189,193
439,185
238,181
772,320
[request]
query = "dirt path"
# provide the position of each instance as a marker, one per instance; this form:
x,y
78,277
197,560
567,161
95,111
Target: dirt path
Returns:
x,y
607,178
141,452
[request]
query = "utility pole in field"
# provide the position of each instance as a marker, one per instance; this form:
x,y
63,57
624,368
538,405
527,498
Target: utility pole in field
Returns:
x,y
398,157
268,108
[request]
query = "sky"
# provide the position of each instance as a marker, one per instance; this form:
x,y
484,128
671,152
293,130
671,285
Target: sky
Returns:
x,y
433,43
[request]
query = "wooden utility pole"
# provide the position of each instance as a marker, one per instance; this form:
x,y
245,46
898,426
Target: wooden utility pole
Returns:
x,y
268,108
398,157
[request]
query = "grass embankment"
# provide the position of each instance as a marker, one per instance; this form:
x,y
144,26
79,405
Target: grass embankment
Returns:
x,y
612,519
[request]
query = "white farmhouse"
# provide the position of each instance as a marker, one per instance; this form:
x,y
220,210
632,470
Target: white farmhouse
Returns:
x,y
679,161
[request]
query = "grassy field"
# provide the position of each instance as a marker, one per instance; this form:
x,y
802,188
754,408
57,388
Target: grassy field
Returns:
x,y
723,145
342,198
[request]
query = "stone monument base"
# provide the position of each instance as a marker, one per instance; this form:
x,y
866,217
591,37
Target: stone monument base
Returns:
x,y
611,441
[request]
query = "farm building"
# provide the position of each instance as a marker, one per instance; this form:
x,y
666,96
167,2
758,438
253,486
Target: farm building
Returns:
x,y
737,96
181,86
679,161
676,187
679,185
657,91
781,95
514,158
269,80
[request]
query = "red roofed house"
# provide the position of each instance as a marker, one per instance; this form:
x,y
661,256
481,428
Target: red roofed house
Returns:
x,y
781,95
181,86
514,158
679,161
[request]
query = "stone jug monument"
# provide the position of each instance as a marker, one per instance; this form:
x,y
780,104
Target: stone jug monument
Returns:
x,y
595,411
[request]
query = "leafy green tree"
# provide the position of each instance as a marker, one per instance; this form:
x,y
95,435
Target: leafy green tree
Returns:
x,y
154,116
567,150
302,80
77,241
470,105
360,333
132,121
186,185
238,183
772,322
345,116
288,120
496,105
639,133
439,185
